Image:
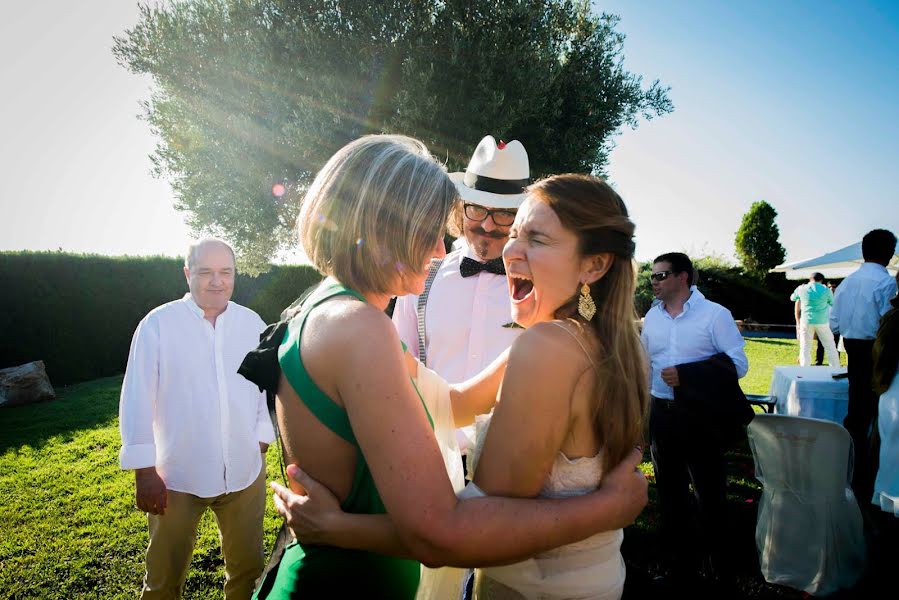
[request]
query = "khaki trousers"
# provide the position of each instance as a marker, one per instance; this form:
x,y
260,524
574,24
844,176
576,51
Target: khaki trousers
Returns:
x,y
172,536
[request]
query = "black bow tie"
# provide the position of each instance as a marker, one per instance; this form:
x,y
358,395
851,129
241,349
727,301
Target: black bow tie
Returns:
x,y
471,267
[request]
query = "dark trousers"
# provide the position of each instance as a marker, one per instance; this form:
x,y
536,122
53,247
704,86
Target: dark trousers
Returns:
x,y
683,454
861,416
819,351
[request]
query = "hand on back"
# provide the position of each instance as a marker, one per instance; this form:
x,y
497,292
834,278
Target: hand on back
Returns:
x,y
310,516
629,488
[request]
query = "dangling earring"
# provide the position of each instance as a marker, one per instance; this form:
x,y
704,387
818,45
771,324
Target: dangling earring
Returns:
x,y
585,305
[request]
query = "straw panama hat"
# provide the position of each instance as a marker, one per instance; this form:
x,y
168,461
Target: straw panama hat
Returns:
x,y
496,175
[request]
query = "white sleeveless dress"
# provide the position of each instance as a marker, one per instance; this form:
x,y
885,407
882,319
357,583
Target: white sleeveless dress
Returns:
x,y
590,569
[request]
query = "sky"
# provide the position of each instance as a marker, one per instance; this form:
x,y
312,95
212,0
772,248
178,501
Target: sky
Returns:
x,y
794,103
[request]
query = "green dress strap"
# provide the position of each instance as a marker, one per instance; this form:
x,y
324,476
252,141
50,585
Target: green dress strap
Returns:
x,y
308,571
332,415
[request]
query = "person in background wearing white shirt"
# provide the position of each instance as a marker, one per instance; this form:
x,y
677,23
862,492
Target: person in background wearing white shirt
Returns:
x,y
861,300
464,313
685,327
194,431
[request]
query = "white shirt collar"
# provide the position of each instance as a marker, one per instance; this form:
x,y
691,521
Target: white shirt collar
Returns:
x,y
695,296
188,299
465,250
873,266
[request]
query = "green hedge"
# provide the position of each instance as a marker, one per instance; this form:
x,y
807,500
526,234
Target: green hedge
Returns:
x,y
77,313
748,299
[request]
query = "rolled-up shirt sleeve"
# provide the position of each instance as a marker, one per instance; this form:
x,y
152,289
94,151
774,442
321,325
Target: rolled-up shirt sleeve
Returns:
x,y
727,339
138,399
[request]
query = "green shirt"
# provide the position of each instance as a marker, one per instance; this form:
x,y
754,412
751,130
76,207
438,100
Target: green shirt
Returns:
x,y
816,300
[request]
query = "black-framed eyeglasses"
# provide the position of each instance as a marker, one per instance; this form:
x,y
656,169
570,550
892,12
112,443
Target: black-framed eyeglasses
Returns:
x,y
661,275
501,216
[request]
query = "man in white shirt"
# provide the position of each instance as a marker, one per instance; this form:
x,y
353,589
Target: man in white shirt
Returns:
x,y
858,304
685,327
193,430
464,314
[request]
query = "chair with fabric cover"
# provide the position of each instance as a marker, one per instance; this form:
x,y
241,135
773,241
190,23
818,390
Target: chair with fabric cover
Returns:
x,y
764,401
809,532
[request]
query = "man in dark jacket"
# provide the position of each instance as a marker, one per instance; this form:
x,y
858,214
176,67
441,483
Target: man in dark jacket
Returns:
x,y
686,328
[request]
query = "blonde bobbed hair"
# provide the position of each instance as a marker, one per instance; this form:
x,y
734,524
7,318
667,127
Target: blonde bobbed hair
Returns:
x,y
376,209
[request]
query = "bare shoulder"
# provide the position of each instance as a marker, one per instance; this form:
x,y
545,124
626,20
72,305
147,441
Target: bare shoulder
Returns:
x,y
557,347
344,324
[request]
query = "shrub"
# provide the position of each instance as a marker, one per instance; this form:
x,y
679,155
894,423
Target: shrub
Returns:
x,y
78,313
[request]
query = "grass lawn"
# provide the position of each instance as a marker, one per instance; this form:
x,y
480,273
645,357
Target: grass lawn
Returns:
x,y
68,526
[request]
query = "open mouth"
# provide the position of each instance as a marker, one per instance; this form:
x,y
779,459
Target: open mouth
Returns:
x,y
522,287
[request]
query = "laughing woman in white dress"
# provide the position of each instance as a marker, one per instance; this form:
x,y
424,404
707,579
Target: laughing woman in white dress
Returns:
x,y
574,395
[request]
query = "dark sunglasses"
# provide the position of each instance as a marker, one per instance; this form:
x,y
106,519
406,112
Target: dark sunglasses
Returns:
x,y
661,275
502,217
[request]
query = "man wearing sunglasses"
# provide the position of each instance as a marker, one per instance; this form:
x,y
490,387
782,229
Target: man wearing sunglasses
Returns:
x,y
686,328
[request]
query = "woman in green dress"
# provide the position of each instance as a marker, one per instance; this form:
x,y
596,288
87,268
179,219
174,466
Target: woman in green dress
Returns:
x,y
351,417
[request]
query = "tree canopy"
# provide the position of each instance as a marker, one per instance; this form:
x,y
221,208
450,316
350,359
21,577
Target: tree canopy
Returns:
x,y
758,240
253,96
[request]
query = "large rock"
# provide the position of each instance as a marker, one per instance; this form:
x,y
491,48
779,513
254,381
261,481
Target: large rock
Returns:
x,y
25,384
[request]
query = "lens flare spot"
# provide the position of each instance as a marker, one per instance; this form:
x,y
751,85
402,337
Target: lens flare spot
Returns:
x,y
278,190
326,223
360,242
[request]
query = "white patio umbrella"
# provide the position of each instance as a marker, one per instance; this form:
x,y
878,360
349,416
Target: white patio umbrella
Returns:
x,y
833,265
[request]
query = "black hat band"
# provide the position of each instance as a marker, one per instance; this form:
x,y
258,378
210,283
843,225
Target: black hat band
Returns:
x,y
483,183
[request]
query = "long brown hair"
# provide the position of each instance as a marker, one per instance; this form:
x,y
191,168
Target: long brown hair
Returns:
x,y
591,209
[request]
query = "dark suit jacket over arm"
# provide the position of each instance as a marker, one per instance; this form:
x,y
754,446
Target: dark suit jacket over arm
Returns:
x,y
710,392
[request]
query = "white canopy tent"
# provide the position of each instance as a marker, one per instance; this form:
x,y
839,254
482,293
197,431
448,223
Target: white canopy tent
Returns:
x,y
833,265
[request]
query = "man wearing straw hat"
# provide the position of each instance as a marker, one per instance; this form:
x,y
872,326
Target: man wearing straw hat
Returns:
x,y
462,321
